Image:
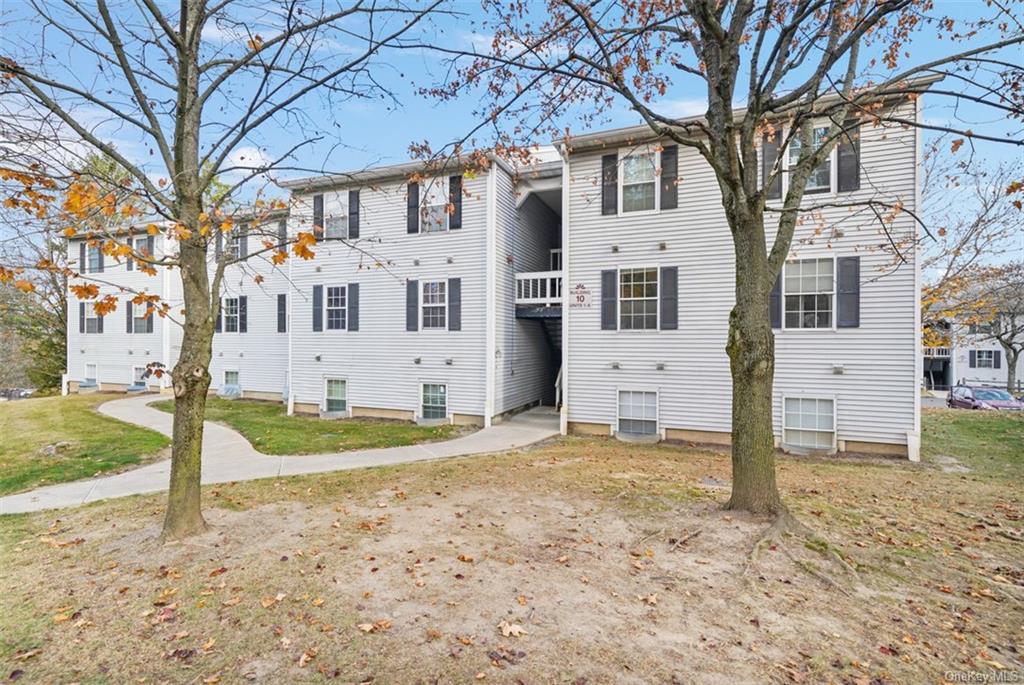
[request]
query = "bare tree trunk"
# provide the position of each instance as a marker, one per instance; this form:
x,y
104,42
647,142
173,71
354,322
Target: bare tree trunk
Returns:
x,y
751,349
191,382
1011,369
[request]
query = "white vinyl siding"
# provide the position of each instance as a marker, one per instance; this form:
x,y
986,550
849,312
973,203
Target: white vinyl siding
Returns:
x,y
435,401
809,423
638,412
809,293
879,359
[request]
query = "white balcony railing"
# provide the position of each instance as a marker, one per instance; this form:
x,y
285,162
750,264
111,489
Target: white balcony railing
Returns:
x,y
539,288
937,352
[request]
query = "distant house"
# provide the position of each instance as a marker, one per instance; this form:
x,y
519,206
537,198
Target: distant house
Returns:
x,y
971,357
599,282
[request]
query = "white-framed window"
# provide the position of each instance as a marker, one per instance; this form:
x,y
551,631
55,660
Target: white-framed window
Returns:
x,y
638,299
639,190
335,395
231,378
92,319
139,376
820,180
556,259
985,359
94,256
233,243
230,314
434,401
434,205
90,373
140,322
809,292
980,329
809,422
336,307
434,304
638,412
336,217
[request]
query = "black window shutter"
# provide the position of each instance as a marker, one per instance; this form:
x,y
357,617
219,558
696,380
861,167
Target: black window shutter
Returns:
x,y
609,300
318,307
81,317
243,314
282,232
129,262
455,197
412,218
997,357
217,324
775,303
769,154
412,304
282,313
669,177
610,184
149,321
353,213
150,246
243,241
849,157
83,266
353,306
100,250
973,358
99,323
128,307
668,293
454,304
848,308
318,215
218,245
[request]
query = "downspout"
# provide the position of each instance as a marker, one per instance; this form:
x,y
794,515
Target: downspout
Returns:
x,y
914,435
288,322
566,258
490,289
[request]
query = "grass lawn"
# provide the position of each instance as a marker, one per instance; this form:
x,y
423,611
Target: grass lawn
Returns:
x,y
988,442
272,431
98,443
583,560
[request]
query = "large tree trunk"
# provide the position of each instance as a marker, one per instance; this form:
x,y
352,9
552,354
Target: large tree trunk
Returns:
x,y
191,382
751,349
1011,370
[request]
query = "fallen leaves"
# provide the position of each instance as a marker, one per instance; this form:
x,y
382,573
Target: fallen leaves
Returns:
x,y
650,600
375,627
267,602
511,629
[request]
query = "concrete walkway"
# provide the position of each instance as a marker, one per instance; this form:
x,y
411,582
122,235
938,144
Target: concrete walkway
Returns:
x,y
227,456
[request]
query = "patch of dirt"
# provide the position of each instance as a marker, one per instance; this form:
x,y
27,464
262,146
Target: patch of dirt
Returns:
x,y
949,464
585,562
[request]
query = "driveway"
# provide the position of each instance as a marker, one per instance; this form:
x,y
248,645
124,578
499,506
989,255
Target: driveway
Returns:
x,y
227,456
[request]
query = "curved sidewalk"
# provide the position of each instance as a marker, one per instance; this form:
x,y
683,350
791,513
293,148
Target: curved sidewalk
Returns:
x,y
227,456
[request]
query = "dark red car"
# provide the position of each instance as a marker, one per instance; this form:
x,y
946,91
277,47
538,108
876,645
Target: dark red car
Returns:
x,y
977,397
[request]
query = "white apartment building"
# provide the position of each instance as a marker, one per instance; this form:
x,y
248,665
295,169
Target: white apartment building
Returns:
x,y
599,281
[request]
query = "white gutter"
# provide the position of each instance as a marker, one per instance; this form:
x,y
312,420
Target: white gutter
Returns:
x,y
566,258
490,289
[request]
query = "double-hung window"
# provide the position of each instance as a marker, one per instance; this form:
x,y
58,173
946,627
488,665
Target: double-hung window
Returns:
x,y
337,303
230,314
820,180
234,244
90,373
140,322
435,401
336,219
809,286
139,375
434,304
92,319
335,395
638,412
434,206
95,259
809,423
985,359
639,185
638,299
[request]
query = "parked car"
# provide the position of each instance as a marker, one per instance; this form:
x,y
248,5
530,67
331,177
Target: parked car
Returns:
x,y
975,397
